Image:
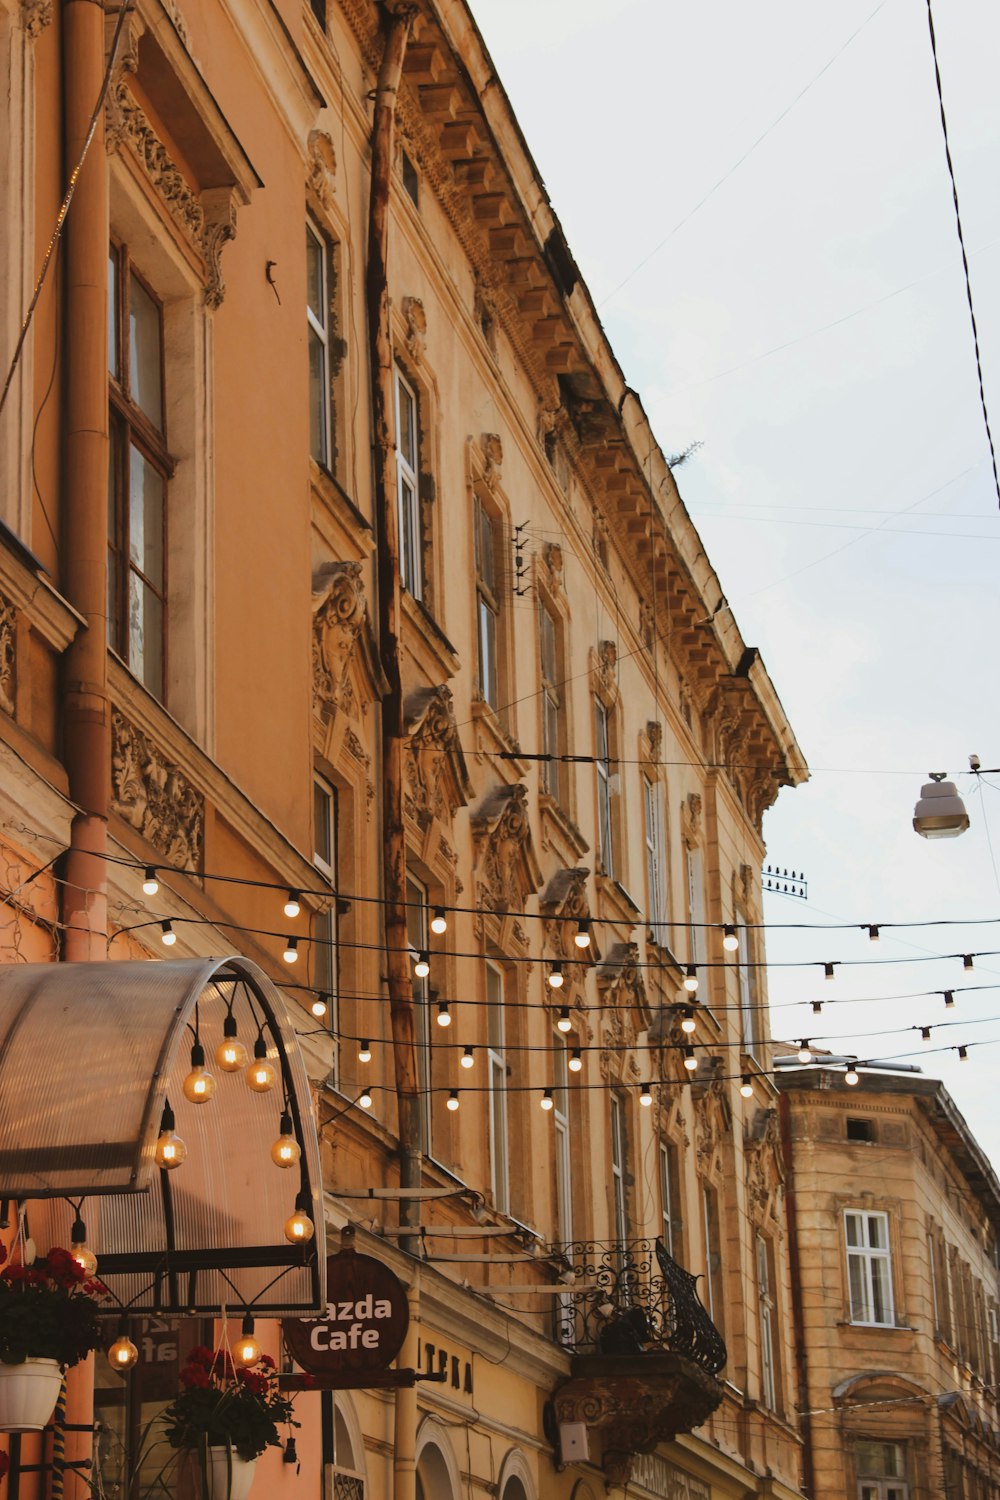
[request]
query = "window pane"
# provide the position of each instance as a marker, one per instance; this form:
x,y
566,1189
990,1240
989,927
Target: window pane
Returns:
x,y
322,823
860,1309
881,1291
145,542
547,632
113,315
318,445
407,416
877,1232
853,1234
487,653
485,556
144,342
315,278
145,635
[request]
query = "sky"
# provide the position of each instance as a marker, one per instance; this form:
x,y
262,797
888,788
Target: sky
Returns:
x,y
759,201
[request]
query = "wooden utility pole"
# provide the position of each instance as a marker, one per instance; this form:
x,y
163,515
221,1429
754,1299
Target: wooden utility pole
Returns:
x,y
397,30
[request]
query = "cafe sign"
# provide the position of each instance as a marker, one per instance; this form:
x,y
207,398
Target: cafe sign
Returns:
x,y
365,1323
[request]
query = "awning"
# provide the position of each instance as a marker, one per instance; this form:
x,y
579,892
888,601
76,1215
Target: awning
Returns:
x,y
89,1056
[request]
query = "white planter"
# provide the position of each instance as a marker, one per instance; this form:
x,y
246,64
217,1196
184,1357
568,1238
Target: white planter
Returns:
x,y
28,1394
225,1483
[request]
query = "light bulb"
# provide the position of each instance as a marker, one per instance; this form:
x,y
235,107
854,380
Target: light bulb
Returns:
x,y
688,1022
291,953
817,1007
746,1087
691,979
949,998
546,1101
468,1058
873,935
123,1354
365,1099
230,1054
365,1052
246,1350
646,1096
422,967
286,1150
582,935
575,1063
170,1151
828,971
690,1061
805,1052
299,1228
150,884
925,1033
439,922
729,939
319,1007
963,1054
199,1085
444,1014
80,1250
168,936
556,977
851,1077
452,1100
261,1074
292,906
564,1022
967,961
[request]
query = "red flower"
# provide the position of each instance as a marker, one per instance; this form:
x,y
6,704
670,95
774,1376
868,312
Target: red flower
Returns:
x,y
195,1376
201,1356
258,1385
63,1268
267,1362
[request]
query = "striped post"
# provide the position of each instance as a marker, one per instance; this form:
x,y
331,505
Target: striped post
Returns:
x,y
59,1443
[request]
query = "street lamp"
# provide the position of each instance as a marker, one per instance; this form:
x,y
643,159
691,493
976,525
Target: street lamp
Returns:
x,y
940,812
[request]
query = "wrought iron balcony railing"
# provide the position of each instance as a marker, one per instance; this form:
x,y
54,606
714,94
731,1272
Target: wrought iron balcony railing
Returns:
x,y
634,1298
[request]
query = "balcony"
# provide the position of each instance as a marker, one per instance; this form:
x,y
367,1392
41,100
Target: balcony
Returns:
x,y
645,1353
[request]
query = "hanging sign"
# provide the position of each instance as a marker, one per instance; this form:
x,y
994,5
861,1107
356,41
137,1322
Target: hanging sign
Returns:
x,y
366,1319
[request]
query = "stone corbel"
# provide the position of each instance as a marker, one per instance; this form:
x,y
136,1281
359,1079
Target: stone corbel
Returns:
x,y
119,99
338,616
322,168
35,16
416,328
219,225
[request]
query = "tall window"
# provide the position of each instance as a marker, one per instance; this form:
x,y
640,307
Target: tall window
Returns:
x,y
487,605
497,1057
411,569
318,325
713,1256
768,1325
882,1471
696,905
563,1160
324,950
416,932
748,992
619,1194
656,885
605,822
551,701
869,1267
670,1200
139,469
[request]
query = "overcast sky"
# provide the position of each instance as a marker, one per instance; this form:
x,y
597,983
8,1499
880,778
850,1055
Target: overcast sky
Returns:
x,y
758,199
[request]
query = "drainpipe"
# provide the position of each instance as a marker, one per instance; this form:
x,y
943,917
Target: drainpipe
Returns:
x,y
397,28
86,709
795,1267
404,1448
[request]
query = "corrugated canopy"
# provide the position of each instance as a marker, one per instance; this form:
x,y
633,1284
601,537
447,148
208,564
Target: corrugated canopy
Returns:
x,y
89,1056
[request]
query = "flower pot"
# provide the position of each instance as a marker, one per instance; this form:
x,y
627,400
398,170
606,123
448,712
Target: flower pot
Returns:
x,y
28,1394
225,1483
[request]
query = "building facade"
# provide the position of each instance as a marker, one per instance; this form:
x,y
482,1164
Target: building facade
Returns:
x,y
313,326
894,1213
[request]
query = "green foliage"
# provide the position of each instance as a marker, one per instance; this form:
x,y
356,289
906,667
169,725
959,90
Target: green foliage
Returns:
x,y
49,1310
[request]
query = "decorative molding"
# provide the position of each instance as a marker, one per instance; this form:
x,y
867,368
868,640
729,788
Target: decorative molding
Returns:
x,y
322,178
154,796
654,738
8,655
563,904
552,559
507,867
492,459
179,24
623,1000
338,602
691,819
35,16
416,328
712,1123
604,671
436,779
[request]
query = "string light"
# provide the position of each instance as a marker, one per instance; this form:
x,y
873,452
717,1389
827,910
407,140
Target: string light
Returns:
x,y
468,1058
439,921
746,1087
851,1077
925,1033
817,1007
365,1099
967,961
150,884
546,1102
873,936
949,998
963,1054
690,1061
444,1014
168,936
422,967
261,1075
575,1063
170,1151
230,1054
292,905
320,1006
582,935
691,979
123,1354
300,1228
556,977
828,971
286,1151
452,1101
80,1250
365,1052
199,1085
730,941
291,952
246,1350
646,1096
565,1021
805,1051
688,1022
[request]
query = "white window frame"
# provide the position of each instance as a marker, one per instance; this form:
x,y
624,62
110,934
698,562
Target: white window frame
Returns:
x,y
416,928
318,320
497,1080
882,1486
873,1263
765,1296
325,924
748,995
548,643
696,902
619,1187
656,884
605,821
411,571
666,1158
487,605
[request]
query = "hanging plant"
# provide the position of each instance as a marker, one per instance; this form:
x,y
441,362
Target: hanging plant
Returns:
x,y
221,1406
49,1310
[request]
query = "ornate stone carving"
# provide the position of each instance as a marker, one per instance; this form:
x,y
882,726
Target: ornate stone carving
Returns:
x,y
507,868
154,796
563,905
338,602
552,558
746,879
712,1122
647,623
691,818
8,659
654,738
218,225
35,16
416,327
603,670
322,168
437,783
180,26
492,459
765,1172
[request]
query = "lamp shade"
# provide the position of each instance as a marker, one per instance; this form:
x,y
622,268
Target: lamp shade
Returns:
x,y
940,812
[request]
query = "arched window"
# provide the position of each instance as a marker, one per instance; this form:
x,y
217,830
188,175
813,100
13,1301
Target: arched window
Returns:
x,y
434,1478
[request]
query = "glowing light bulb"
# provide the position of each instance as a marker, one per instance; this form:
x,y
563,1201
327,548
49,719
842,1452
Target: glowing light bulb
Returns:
x,y
582,935
949,998
828,971
422,967
292,905
925,1033
805,1052
873,934
730,941
300,1228
261,1074
575,1063
170,1151
688,1022
452,1100
365,1099
291,953
439,922
967,961
851,1077
690,1061
444,1014
691,979
80,1250
963,1054
319,1007
746,1087
365,1052
646,1096
286,1150
230,1054
123,1354
150,884
564,1022
168,936
556,976
546,1101
817,1007
468,1058
199,1085
246,1350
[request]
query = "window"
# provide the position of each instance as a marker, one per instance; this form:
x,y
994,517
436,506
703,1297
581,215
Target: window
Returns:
x,y
696,904
670,1200
324,950
551,702
656,884
869,1268
487,605
768,1325
563,1159
605,822
860,1130
416,932
881,1471
140,466
318,325
499,1165
713,1256
411,571
619,1194
748,992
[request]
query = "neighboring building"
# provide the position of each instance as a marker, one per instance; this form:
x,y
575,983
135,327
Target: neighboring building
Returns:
x,y
895,1218
191,672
